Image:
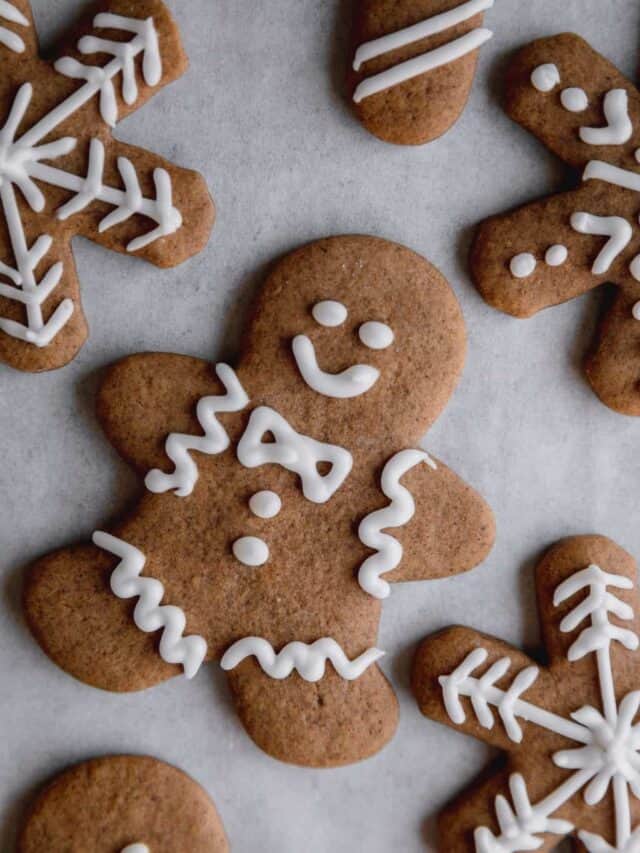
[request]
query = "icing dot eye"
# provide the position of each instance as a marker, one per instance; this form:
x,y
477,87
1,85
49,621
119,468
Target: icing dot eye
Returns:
x,y
329,313
556,255
545,77
265,504
376,335
251,551
522,265
575,100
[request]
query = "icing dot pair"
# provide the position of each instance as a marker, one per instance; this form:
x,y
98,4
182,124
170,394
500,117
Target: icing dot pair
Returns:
x,y
251,550
523,265
373,334
546,77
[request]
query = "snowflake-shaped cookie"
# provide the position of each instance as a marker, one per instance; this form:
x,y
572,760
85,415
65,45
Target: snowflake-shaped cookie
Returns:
x,y
584,110
570,729
63,174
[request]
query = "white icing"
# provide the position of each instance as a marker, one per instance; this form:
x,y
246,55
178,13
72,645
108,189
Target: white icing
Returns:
x,y
8,38
618,129
606,757
22,167
574,100
251,551
545,77
376,335
522,265
124,54
637,155
617,229
265,504
428,61
600,171
215,439
635,311
329,313
598,604
399,512
295,452
352,382
149,615
136,848
308,661
556,255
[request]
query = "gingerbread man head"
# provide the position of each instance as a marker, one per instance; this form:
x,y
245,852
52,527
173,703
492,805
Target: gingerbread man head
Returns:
x,y
268,491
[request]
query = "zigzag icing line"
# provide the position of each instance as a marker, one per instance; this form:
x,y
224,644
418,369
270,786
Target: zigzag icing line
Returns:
x,y
215,439
308,660
149,615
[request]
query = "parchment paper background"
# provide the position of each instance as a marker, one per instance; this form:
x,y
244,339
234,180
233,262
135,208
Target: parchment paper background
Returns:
x,y
262,114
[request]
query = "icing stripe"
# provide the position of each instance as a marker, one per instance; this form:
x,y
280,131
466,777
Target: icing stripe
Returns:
x,y
432,26
308,660
450,52
149,615
215,439
399,512
7,37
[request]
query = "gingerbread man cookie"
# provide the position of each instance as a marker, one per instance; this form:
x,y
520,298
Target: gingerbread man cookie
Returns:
x,y
123,804
62,173
583,109
570,728
282,499
413,65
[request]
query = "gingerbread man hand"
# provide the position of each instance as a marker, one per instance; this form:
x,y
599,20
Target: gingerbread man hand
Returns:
x,y
62,173
583,109
269,488
567,728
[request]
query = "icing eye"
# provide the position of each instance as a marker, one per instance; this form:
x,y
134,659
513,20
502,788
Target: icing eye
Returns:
x,y
376,335
329,313
574,100
251,551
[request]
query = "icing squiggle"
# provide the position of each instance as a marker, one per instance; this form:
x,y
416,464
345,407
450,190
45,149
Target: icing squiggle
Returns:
x,y
617,229
295,452
308,660
215,439
399,512
7,37
618,129
149,615
352,382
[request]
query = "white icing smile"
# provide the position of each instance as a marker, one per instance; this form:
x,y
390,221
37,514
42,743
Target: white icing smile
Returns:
x,y
352,382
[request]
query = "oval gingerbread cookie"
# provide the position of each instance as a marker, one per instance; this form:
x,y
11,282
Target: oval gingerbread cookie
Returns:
x,y
283,498
413,65
123,804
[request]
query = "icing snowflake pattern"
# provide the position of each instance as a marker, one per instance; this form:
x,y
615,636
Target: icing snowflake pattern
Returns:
x,y
605,756
30,155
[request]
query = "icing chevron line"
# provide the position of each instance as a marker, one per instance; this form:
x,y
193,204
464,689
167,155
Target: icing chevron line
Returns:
x,y
308,660
399,512
428,61
215,439
8,38
149,615
617,229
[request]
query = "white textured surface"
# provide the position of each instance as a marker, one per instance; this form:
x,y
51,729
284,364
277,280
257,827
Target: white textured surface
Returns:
x,y
264,119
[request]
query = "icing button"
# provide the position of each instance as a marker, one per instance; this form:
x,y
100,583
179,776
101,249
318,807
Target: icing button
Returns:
x,y
636,311
251,551
522,265
265,504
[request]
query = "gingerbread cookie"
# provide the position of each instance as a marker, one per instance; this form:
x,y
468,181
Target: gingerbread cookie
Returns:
x,y
63,174
261,541
123,804
583,109
569,728
413,65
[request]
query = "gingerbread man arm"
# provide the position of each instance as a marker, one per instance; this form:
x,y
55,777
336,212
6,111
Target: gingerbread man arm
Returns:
x,y
453,528
146,397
